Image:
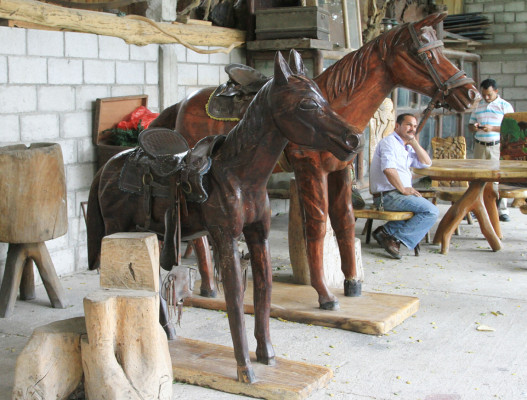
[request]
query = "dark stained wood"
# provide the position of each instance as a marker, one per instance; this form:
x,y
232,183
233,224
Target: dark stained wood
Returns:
x,y
355,86
290,107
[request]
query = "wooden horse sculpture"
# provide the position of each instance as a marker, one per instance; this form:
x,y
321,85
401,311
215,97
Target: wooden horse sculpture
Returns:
x,y
290,107
410,56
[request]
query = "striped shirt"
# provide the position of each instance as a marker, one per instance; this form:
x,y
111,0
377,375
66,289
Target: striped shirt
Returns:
x,y
490,114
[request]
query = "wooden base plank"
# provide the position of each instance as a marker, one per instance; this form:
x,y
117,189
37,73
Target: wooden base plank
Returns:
x,y
372,313
211,365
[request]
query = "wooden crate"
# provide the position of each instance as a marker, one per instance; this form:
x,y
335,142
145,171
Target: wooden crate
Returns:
x,y
292,22
109,111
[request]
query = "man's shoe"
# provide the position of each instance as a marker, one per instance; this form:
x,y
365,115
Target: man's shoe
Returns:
x,y
504,218
387,242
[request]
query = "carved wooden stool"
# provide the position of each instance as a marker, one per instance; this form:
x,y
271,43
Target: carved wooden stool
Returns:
x,y
33,209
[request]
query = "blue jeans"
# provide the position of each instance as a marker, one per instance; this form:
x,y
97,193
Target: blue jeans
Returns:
x,y
409,232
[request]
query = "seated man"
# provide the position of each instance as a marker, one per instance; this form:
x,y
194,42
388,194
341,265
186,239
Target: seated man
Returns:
x,y
391,185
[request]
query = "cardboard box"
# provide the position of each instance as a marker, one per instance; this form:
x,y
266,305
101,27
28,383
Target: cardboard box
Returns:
x,y
109,111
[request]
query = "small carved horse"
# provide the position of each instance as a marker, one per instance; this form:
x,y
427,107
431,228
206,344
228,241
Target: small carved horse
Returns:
x,y
289,107
408,56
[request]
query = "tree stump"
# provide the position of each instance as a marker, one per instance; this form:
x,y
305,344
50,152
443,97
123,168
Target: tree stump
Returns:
x,y
33,209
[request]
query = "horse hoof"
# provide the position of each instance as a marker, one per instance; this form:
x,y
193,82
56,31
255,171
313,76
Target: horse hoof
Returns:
x,y
330,305
352,288
208,293
246,374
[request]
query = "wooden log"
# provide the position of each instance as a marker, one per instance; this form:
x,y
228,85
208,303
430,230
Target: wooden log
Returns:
x,y
130,30
33,186
125,355
49,366
298,254
130,260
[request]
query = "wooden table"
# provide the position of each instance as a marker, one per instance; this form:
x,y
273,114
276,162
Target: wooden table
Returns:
x,y
479,197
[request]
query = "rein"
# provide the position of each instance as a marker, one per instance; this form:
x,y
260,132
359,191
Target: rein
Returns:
x,y
443,88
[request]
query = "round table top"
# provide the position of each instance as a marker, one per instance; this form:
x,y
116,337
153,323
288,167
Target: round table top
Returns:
x,y
476,170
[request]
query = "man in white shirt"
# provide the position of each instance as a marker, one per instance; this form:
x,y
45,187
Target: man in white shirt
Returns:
x,y
485,123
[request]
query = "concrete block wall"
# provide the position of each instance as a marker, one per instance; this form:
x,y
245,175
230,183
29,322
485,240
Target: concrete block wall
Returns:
x,y
49,82
504,57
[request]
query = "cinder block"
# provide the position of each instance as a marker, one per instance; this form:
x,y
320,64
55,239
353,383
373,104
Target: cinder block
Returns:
x,y
113,48
219,58
503,38
144,53
13,40
18,99
86,151
3,69
514,93
474,8
82,45
514,67
10,131
45,43
488,68
69,150
180,51
85,96
493,8
98,72
56,98
27,70
208,75
39,127
130,72
521,16
80,196
238,56
76,124
515,6
198,58
126,90
65,71
505,17
187,74
64,260
151,73
79,176
153,97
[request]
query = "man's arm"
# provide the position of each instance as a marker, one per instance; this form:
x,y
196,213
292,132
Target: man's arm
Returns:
x,y
422,154
393,177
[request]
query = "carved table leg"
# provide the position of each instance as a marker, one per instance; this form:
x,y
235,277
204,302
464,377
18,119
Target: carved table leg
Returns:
x,y
472,200
490,196
18,261
27,284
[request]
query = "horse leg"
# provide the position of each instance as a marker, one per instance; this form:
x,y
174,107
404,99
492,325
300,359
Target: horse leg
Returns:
x,y
256,239
201,247
227,258
343,223
312,193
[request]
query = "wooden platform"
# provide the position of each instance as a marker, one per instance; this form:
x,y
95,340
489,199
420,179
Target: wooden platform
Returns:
x,y
211,365
372,313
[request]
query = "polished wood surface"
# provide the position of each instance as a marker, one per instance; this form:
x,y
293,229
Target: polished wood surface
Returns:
x,y
479,198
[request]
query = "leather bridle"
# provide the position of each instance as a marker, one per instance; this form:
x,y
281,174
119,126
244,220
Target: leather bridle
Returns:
x,y
443,88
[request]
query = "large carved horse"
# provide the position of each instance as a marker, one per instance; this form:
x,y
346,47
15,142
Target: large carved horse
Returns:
x,y
408,56
289,107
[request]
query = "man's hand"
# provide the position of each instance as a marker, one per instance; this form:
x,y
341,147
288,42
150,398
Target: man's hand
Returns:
x,y
410,191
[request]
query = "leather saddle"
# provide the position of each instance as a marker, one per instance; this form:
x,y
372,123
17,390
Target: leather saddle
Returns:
x,y
164,166
230,100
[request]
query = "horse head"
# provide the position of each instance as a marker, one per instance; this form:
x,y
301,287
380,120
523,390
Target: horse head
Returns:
x,y
303,114
418,63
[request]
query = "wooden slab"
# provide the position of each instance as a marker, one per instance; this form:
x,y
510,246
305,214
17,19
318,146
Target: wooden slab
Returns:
x,y
211,365
372,313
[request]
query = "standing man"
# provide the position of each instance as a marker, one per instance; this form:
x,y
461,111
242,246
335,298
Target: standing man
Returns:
x,y
485,123
391,185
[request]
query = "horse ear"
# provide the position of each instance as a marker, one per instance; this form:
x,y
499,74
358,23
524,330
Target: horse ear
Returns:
x,y
281,70
430,20
296,63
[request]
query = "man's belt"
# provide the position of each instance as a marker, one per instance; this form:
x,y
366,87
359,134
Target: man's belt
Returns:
x,y
375,195
487,143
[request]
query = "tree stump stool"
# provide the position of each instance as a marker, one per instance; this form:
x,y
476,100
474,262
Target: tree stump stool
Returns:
x,y
34,209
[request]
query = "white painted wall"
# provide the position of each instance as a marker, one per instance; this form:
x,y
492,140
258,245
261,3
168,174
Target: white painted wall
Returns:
x,y
49,82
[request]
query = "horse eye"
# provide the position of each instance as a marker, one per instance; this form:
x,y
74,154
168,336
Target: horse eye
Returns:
x,y
308,104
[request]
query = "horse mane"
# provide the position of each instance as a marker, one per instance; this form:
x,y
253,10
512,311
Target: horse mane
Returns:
x,y
245,134
350,71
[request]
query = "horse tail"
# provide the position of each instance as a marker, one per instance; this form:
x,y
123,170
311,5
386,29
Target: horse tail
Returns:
x,y
167,119
94,224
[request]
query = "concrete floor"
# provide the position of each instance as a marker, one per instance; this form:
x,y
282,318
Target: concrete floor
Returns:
x,y
438,354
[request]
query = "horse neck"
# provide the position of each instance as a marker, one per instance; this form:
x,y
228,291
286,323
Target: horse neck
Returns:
x,y
253,146
356,85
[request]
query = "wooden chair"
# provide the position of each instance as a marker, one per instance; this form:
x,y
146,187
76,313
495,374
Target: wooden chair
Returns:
x,y
513,143
381,125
